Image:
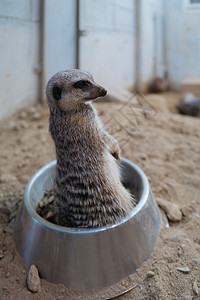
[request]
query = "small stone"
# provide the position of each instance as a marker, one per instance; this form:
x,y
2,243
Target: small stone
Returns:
x,y
195,288
187,210
23,125
43,139
185,297
7,178
36,116
173,237
151,176
40,126
7,275
184,270
183,234
180,251
32,109
189,104
171,209
24,179
143,156
23,115
33,280
13,126
150,274
196,261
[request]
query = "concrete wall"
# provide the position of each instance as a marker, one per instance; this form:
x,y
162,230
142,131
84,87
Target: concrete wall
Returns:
x,y
107,41
19,48
182,41
59,36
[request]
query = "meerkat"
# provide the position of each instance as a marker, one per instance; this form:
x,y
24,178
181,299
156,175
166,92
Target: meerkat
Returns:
x,y
88,188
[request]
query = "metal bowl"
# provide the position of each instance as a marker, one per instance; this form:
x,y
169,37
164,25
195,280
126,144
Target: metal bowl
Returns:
x,y
87,258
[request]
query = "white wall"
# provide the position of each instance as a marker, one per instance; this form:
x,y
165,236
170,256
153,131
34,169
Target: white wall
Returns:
x,y
152,52
182,41
59,36
107,44
19,25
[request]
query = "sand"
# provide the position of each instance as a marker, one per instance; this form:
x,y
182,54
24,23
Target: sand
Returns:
x,y
151,134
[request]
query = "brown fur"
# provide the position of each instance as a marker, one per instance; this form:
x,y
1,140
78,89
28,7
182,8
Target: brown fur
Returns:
x,y
88,190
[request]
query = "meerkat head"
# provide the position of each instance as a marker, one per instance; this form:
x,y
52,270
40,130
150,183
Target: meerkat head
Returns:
x,y
67,89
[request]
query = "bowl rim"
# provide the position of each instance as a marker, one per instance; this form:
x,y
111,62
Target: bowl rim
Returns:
x,y
38,219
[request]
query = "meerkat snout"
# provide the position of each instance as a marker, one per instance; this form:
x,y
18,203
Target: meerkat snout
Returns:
x,y
103,92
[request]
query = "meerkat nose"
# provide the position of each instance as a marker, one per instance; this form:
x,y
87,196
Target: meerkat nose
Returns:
x,y
103,92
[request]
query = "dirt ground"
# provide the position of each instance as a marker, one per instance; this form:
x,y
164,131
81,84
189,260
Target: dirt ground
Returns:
x,y
151,134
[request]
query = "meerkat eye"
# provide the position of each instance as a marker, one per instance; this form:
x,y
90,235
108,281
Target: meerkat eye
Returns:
x,y
57,91
81,84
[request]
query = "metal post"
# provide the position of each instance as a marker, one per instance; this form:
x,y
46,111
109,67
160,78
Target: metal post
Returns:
x,y
138,45
77,34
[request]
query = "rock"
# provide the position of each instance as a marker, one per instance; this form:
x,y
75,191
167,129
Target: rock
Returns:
x,y
63,291
43,139
187,210
195,288
184,270
23,125
32,109
171,209
36,116
183,234
7,178
7,275
33,280
196,261
151,176
150,274
185,297
189,104
13,126
173,237
24,179
158,84
23,115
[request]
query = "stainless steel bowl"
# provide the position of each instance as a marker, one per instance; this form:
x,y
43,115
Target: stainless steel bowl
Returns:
x,y
87,258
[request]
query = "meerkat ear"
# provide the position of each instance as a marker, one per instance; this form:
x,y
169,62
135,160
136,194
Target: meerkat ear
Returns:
x,y
57,92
